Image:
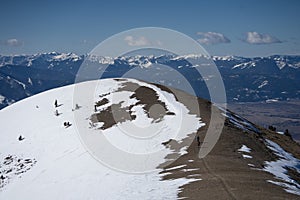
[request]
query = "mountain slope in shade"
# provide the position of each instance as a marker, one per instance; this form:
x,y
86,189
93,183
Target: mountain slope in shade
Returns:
x,y
42,157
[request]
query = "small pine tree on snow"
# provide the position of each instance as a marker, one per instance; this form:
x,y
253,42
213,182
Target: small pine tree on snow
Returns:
x,y
55,103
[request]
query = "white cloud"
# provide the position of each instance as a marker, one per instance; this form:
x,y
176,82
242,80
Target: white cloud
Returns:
x,y
258,38
159,43
140,41
212,38
12,42
87,42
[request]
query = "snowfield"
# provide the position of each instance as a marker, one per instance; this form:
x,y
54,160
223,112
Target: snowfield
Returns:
x,y
50,161
245,149
279,168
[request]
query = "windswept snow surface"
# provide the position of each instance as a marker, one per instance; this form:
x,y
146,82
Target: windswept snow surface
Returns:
x,y
64,169
245,149
238,121
246,156
279,168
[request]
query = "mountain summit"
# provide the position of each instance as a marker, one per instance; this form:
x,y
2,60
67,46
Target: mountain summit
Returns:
x,y
79,146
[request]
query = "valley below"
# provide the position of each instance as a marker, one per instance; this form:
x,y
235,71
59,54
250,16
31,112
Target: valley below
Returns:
x,y
280,114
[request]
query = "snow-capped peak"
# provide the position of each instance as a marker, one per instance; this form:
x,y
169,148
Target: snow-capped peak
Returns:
x,y
65,56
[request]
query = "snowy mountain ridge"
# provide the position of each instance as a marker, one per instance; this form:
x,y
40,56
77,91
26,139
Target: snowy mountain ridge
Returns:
x,y
89,144
23,59
51,161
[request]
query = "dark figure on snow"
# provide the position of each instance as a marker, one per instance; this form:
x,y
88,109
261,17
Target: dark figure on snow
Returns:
x,y
56,113
55,103
67,124
21,138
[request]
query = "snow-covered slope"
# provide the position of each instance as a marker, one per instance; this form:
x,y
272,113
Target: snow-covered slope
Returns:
x,y
40,158
121,126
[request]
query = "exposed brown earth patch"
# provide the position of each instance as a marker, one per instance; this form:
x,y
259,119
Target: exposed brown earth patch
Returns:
x,y
147,97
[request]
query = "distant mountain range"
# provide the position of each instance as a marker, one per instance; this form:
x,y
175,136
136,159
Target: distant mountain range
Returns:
x,y
246,79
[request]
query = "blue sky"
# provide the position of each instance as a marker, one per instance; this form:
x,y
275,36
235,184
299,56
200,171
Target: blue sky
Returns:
x,y
245,28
